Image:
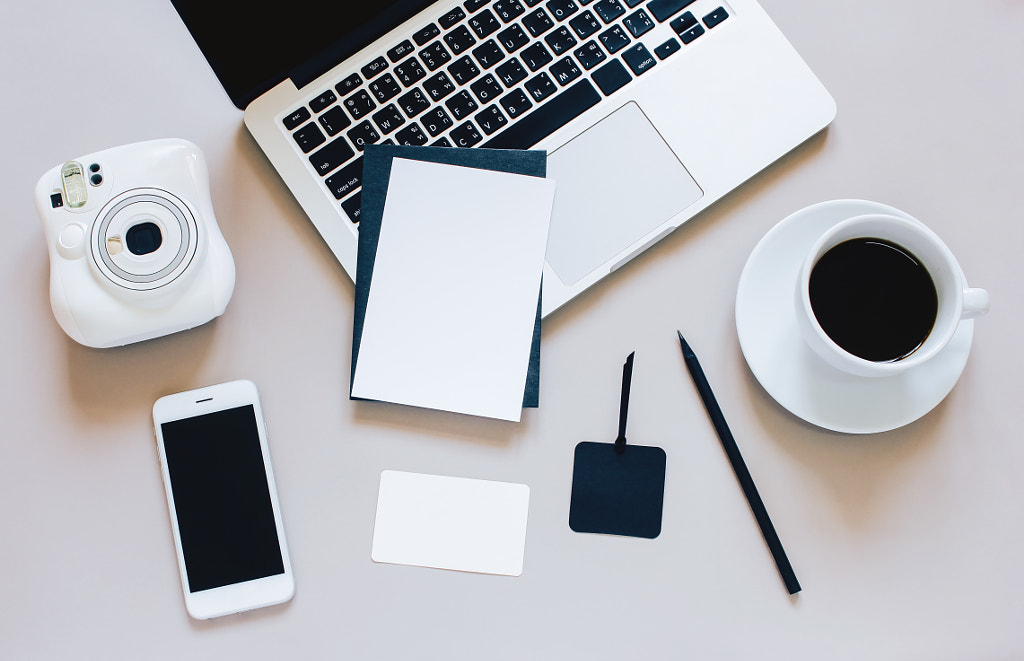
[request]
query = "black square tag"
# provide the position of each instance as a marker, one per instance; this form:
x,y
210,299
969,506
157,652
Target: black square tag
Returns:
x,y
617,493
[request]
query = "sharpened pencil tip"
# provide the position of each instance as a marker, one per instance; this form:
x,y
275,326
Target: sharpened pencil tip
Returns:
x,y
683,344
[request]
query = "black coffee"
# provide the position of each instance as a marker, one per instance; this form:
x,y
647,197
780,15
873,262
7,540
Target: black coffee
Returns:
x,y
873,298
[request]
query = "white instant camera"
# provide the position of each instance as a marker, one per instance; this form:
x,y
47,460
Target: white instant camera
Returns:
x,y
135,250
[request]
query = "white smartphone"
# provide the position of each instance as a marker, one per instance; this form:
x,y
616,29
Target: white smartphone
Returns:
x,y
223,503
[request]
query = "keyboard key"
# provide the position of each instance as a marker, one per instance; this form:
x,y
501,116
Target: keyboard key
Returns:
x,y
363,134
538,22
309,138
632,3
691,34
436,121
461,105
347,179
590,55
614,39
451,18
359,104
412,135
374,68
667,48
385,88
401,50
611,77
352,205
560,40
334,120
296,118
388,118
716,17
330,157
413,102
513,38
515,103
511,72
639,59
350,84
409,72
486,89
426,34
548,118
508,10
540,87
438,86
472,5
488,54
490,119
484,24
565,71
535,56
323,101
683,23
665,9
532,3
459,39
463,70
443,142
638,23
562,9
465,135
585,24
434,55
609,10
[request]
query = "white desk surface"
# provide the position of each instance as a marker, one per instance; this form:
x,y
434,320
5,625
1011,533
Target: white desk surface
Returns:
x,y
909,544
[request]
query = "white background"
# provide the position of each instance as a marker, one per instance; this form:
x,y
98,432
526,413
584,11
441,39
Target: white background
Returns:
x,y
909,544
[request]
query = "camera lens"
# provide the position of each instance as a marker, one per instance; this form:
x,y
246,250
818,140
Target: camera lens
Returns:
x,y
143,238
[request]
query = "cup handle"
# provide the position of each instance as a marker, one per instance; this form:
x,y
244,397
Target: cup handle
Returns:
x,y
975,303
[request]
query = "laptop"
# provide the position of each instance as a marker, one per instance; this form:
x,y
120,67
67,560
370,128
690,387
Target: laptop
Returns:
x,y
650,110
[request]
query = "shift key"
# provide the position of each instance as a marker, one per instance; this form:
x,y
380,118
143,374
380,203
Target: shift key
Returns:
x,y
665,9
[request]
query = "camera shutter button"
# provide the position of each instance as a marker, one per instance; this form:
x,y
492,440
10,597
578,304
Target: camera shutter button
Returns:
x,y
71,242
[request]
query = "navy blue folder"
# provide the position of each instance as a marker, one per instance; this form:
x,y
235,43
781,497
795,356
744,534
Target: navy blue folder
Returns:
x,y
376,174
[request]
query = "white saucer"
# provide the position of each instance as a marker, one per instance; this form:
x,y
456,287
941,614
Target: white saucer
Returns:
x,y
787,368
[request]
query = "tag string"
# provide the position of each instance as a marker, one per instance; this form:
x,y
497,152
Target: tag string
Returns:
x,y
627,379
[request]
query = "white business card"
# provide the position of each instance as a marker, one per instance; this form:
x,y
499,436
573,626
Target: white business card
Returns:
x,y
451,523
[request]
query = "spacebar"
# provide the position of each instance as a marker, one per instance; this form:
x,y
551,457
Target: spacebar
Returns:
x,y
548,118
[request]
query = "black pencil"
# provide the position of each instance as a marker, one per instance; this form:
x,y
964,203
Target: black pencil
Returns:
x,y
740,468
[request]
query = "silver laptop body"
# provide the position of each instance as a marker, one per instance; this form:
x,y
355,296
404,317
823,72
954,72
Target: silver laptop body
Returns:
x,y
668,120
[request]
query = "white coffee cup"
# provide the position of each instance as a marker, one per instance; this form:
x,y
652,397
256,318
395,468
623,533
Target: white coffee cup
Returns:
x,y
956,301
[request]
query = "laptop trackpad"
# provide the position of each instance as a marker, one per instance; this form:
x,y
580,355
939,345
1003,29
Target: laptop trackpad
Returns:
x,y
615,183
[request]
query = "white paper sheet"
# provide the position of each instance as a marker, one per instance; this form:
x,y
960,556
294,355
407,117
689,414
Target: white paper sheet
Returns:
x,y
453,300
451,523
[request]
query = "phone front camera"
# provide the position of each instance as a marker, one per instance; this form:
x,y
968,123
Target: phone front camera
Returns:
x,y
143,239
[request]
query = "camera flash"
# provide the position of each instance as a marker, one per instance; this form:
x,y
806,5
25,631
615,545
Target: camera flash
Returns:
x,y
72,175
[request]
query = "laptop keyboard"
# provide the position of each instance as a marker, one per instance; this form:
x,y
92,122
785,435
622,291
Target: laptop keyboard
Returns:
x,y
500,74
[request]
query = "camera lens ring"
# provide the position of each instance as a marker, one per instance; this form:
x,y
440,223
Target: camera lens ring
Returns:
x,y
135,278
180,213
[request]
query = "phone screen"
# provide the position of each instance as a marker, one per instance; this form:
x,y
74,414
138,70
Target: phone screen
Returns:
x,y
222,498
